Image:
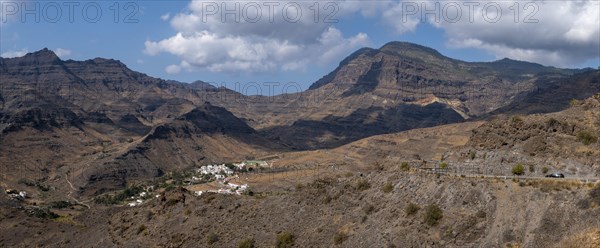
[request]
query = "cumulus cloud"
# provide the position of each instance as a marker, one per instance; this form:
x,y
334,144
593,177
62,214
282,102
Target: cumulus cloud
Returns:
x,y
559,33
234,36
173,69
61,52
14,53
258,37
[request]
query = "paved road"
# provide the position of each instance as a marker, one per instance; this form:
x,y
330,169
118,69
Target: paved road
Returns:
x,y
438,171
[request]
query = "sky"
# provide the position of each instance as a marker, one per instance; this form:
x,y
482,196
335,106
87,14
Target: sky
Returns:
x,y
224,42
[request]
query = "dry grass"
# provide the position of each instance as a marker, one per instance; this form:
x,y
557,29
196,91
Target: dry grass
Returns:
x,y
590,239
548,185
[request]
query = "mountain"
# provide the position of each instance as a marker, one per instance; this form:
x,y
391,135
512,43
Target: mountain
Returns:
x,y
368,93
103,125
350,158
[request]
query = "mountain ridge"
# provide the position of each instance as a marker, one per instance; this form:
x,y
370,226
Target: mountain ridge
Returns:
x,y
106,110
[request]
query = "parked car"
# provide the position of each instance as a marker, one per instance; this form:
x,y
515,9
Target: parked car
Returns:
x,y
556,175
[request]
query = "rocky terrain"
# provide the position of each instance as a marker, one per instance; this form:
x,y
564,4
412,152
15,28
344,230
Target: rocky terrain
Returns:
x,y
347,157
402,86
562,141
388,207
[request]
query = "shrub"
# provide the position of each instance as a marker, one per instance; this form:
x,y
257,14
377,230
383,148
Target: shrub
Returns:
x,y
212,238
339,238
119,197
481,214
387,188
443,165
516,119
404,166
595,194
362,184
531,168
545,170
552,122
518,169
247,243
412,209
574,102
171,202
368,209
433,215
43,213
472,155
141,228
60,204
586,137
285,239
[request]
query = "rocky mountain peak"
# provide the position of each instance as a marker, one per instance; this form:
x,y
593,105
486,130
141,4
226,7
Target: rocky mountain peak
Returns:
x,y
410,50
44,56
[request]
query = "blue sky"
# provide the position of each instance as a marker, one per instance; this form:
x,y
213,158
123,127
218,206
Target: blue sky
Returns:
x,y
169,39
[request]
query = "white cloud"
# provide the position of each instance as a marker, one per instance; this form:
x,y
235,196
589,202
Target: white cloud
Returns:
x,y
61,52
173,69
566,33
222,53
271,41
13,54
559,33
165,17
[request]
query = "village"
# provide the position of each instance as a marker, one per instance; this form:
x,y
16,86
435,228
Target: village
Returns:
x,y
206,179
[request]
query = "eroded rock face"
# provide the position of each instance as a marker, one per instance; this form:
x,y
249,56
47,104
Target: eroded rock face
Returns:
x,y
564,141
403,86
112,118
98,113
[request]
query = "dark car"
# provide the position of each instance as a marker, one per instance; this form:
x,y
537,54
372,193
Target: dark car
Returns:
x,y
556,175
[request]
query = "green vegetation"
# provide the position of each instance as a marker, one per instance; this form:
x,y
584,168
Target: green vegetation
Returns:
x,y
60,204
339,238
43,213
404,166
32,183
362,184
411,209
518,170
284,240
247,243
443,165
387,188
119,197
587,138
433,215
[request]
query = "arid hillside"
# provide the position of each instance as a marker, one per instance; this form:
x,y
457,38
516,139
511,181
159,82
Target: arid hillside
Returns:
x,y
389,207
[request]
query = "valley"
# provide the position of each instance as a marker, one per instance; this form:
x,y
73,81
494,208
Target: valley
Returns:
x,y
399,146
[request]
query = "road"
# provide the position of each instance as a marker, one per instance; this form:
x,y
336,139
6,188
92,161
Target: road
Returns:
x,y
71,192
